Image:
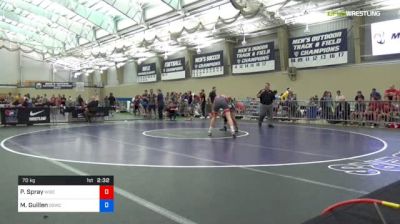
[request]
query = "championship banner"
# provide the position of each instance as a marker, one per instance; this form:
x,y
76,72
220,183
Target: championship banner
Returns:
x,y
321,49
54,85
147,73
25,115
255,58
209,64
173,69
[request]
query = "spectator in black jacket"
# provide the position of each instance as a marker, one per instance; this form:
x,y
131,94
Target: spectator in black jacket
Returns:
x,y
212,94
112,102
160,104
343,110
91,109
79,101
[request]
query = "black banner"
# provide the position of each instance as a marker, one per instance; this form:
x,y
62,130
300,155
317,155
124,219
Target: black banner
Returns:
x,y
54,85
9,115
173,69
17,115
319,49
255,58
147,73
65,180
147,69
209,64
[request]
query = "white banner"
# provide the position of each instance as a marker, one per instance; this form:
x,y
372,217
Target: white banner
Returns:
x,y
319,60
205,72
385,37
173,75
146,78
59,205
254,67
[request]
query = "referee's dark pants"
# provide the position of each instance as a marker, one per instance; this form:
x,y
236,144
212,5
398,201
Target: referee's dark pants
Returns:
x,y
160,111
265,110
203,108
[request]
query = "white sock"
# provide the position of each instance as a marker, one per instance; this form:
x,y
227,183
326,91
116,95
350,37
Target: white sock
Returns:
x,y
232,129
209,130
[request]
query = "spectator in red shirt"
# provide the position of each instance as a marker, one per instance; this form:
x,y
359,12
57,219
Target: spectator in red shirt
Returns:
x,y
387,108
373,110
53,100
391,93
172,109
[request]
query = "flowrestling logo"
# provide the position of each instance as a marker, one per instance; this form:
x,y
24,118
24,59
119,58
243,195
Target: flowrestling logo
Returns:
x,y
344,13
370,167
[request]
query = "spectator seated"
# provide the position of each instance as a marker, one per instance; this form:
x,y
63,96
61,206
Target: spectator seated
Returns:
x,y
172,110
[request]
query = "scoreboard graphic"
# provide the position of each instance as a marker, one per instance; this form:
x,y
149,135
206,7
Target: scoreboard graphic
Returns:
x,y
66,194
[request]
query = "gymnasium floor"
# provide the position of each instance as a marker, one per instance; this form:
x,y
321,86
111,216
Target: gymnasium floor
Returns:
x,y
172,172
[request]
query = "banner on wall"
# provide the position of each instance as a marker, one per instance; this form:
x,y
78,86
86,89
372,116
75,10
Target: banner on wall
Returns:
x,y
321,49
209,64
54,85
255,58
147,73
173,69
34,115
385,37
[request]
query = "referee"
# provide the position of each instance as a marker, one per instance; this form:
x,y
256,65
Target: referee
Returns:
x,y
266,99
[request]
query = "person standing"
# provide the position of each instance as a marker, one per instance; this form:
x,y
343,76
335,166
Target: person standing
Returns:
x,y
203,103
91,109
112,102
327,105
212,94
267,97
375,94
339,96
145,102
160,104
391,93
152,104
9,98
79,100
